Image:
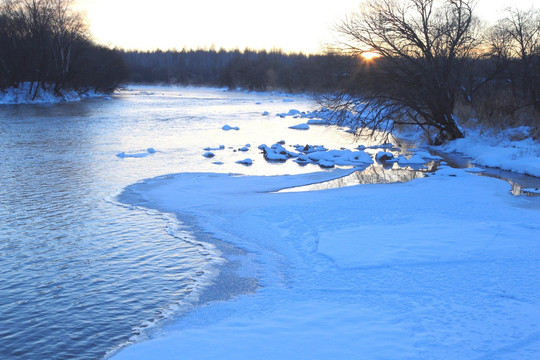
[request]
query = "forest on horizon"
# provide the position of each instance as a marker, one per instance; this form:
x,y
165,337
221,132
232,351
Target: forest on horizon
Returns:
x,y
436,60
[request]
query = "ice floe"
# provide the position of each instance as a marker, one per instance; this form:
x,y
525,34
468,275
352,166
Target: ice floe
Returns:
x,y
247,161
316,154
300,127
384,156
148,151
220,147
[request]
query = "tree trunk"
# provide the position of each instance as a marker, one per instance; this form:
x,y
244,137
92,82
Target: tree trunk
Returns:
x,y
450,131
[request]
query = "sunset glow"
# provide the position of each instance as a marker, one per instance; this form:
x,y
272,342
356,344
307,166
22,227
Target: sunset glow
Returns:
x,y
370,55
293,26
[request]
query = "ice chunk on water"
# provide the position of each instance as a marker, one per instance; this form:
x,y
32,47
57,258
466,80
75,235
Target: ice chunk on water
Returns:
x,y
220,147
245,162
300,127
148,151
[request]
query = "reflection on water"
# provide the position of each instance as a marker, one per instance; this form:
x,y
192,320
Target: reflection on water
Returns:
x,y
385,172
374,174
521,184
80,274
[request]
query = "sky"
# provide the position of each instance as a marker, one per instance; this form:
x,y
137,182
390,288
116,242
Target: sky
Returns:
x,y
291,25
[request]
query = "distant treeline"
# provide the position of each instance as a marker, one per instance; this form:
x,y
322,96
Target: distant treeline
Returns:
x,y
248,69
436,63
46,44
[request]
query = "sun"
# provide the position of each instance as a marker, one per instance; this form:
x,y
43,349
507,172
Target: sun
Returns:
x,y
368,55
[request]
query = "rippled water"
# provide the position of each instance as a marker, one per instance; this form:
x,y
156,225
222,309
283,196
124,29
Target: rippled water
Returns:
x,y
81,274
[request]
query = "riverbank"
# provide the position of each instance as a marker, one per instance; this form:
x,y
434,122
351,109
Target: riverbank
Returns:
x,y
439,267
511,149
24,95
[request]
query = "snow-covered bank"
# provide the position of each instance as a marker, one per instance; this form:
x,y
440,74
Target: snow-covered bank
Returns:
x,y
23,95
512,150
443,267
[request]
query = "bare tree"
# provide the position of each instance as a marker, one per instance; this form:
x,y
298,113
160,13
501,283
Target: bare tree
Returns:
x,y
424,46
67,27
516,40
45,43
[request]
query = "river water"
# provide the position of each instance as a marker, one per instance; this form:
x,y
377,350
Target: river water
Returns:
x,y
82,274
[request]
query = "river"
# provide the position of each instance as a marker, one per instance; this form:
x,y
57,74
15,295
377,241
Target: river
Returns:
x,y
83,274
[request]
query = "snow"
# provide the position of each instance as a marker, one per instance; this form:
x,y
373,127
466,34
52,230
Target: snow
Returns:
x,y
22,95
276,152
148,151
247,161
317,122
341,157
310,148
300,127
292,112
316,154
496,150
443,267
512,149
209,148
384,156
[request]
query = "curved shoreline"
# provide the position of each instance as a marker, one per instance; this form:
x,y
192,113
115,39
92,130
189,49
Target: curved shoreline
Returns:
x,y
218,280
369,269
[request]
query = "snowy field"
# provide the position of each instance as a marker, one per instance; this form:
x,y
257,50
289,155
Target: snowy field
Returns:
x,y
442,267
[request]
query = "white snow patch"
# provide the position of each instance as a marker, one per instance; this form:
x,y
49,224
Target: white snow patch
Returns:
x,y
444,267
148,151
500,150
245,162
300,127
384,156
220,147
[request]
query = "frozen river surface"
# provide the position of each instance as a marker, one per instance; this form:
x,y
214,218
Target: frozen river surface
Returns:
x,y
81,274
